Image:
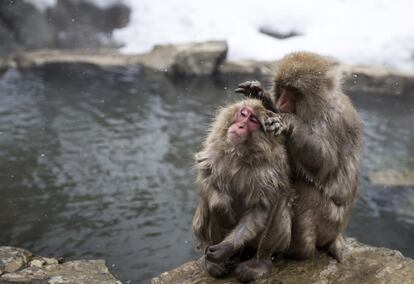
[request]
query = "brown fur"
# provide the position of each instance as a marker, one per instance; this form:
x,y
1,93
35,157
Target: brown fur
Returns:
x,y
324,138
244,194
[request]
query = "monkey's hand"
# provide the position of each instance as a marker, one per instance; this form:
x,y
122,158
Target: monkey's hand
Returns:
x,y
252,89
221,252
277,123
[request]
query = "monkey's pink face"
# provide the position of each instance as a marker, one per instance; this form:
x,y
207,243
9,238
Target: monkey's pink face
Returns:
x,y
244,123
287,99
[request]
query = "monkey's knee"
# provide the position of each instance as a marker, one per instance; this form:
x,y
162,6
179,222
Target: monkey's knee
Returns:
x,y
253,269
337,248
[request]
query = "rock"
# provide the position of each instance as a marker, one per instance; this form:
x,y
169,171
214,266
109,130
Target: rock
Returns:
x,y
200,58
392,178
37,263
18,266
12,259
184,59
28,25
79,272
208,58
48,260
7,38
81,24
187,59
246,67
278,34
362,264
77,24
42,58
374,79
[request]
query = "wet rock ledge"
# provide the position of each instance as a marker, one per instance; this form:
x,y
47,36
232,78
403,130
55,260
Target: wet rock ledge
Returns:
x,y
200,59
363,264
19,266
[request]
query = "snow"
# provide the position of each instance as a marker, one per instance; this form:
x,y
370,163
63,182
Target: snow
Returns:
x,y
379,32
376,32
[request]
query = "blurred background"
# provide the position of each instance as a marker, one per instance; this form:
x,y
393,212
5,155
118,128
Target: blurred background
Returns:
x,y
98,164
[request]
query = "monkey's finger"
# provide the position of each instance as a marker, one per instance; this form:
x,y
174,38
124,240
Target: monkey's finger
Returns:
x,y
245,84
240,90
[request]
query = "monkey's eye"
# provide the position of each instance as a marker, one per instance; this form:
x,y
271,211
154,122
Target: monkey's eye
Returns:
x,y
254,119
244,113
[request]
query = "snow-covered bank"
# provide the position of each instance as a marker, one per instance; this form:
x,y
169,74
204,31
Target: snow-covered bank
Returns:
x,y
376,32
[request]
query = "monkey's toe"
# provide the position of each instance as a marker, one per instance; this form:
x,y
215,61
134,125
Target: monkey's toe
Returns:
x,y
217,270
253,269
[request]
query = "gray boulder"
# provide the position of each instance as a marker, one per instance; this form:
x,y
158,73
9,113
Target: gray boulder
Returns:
x,y
74,24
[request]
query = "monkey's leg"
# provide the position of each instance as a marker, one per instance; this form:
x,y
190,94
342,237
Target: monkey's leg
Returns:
x,y
253,269
274,239
336,249
303,245
248,228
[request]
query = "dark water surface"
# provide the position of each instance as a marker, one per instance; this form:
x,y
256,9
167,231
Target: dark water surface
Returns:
x,y
95,166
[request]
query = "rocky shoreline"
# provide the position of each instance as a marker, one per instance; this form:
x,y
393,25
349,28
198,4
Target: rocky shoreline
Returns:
x,y
20,266
202,59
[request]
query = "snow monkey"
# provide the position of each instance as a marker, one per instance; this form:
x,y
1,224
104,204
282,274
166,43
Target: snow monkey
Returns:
x,y
324,137
244,193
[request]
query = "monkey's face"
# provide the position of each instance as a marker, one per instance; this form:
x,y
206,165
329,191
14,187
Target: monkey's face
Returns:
x,y
245,122
286,99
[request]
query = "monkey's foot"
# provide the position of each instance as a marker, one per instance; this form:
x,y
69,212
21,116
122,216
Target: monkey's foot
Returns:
x,y
221,252
253,269
251,89
217,270
275,124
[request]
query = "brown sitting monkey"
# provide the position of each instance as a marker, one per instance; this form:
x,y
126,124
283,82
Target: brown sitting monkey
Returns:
x,y
324,138
244,193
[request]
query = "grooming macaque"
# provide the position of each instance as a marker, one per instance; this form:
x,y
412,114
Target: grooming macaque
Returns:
x,y
323,133
244,193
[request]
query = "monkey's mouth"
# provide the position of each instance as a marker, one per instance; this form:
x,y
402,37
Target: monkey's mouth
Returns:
x,y
234,137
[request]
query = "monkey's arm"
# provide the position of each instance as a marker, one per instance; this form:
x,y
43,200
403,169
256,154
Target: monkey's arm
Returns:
x,y
253,89
315,154
249,227
200,224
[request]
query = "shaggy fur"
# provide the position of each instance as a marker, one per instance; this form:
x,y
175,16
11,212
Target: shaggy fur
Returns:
x,y
244,194
324,139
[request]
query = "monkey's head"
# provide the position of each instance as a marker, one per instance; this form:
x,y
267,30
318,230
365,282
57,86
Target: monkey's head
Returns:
x,y
304,81
239,124
244,123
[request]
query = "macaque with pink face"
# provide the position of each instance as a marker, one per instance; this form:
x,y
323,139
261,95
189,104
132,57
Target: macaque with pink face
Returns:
x,y
244,193
244,123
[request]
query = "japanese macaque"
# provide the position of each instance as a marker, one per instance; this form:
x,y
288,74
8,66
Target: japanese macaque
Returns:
x,y
324,137
244,193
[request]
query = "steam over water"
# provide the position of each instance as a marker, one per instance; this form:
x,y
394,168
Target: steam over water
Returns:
x,y
95,166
